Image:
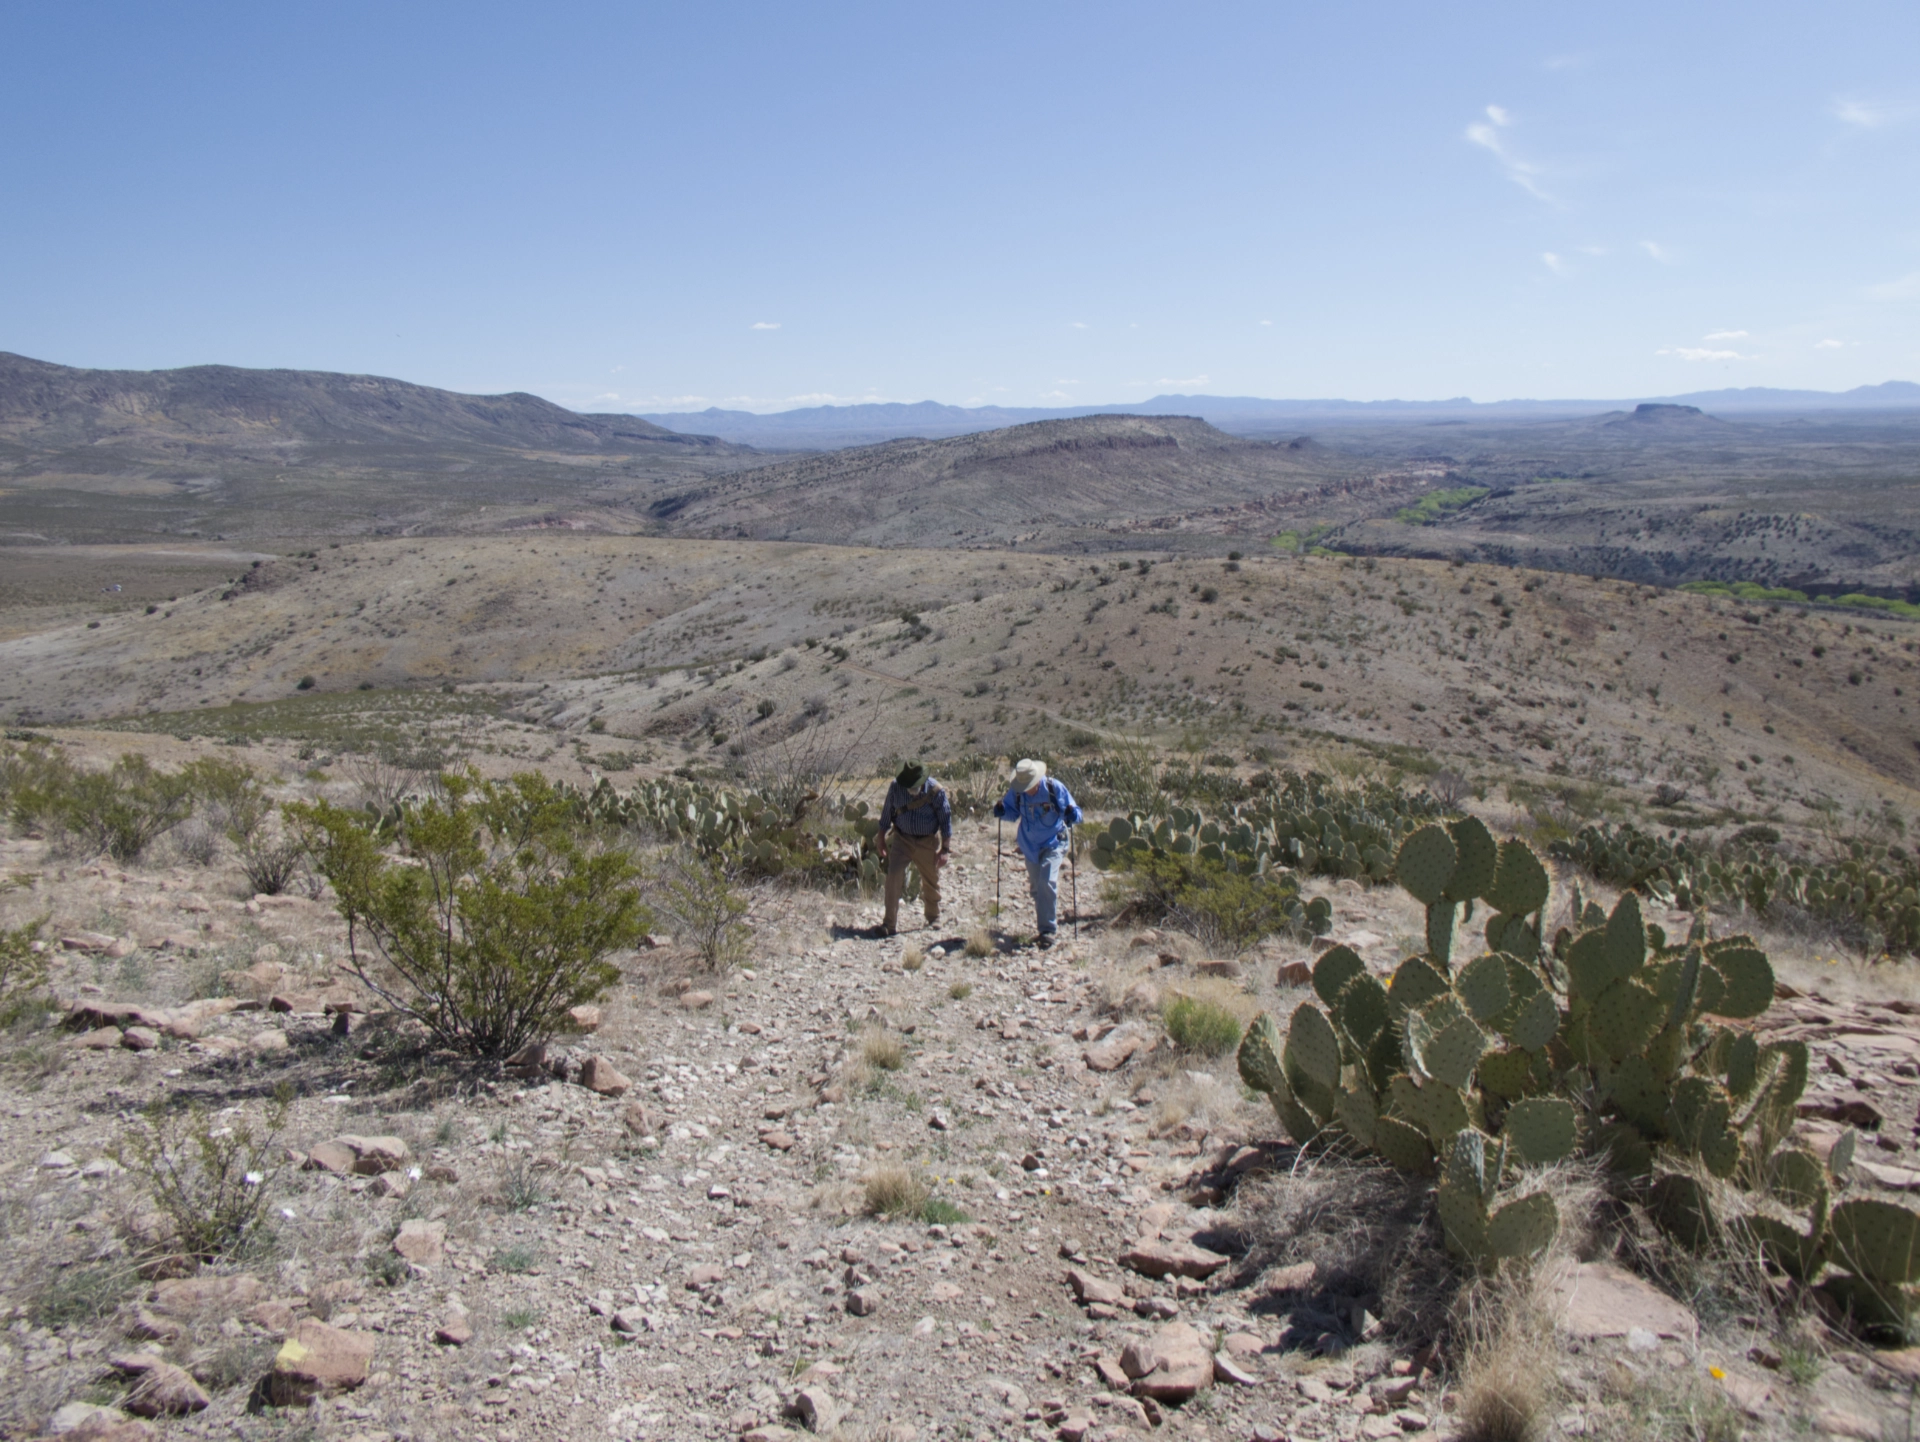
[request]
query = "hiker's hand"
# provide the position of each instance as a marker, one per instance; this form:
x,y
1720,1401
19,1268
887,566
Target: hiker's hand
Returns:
x,y
940,858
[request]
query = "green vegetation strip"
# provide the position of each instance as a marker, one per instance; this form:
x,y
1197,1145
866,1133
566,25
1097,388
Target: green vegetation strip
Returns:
x,y
360,721
1435,504
1751,591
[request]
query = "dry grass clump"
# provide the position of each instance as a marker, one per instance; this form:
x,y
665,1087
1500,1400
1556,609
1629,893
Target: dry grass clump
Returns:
x,y
980,943
893,1190
1505,1322
912,959
1507,1373
882,1049
1369,1231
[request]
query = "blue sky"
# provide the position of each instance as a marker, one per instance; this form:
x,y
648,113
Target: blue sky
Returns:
x,y
648,207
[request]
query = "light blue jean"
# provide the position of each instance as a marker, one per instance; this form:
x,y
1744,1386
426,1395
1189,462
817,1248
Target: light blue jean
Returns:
x,y
1043,879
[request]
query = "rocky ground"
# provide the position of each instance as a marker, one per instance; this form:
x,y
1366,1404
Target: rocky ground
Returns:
x,y
664,1229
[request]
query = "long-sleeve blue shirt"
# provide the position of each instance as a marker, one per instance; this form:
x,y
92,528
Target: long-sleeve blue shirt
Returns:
x,y
1044,816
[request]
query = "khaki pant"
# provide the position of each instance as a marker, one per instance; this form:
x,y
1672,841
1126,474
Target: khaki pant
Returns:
x,y
921,851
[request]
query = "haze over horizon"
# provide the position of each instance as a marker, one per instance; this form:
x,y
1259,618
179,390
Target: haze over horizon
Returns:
x,y
654,210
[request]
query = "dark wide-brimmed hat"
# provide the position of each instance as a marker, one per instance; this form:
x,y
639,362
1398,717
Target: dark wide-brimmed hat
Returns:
x,y
911,775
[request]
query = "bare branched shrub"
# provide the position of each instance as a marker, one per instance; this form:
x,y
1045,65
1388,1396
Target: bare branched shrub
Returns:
x,y
1449,788
210,1178
705,909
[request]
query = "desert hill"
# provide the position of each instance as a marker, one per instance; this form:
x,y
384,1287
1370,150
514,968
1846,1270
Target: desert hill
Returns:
x,y
210,452
1096,482
702,647
216,408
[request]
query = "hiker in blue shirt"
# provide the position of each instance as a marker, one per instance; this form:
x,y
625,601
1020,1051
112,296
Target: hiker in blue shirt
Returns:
x,y
920,817
1047,814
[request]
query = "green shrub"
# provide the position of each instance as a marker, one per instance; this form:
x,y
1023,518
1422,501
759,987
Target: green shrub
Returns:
x,y
23,971
1202,1026
940,1211
122,809
1220,906
231,796
33,778
499,919
210,1178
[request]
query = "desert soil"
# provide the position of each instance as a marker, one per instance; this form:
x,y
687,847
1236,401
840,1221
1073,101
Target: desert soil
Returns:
x,y
689,1256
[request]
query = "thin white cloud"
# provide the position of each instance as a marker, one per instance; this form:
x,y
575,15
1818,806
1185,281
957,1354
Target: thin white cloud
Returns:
x,y
765,325
1701,353
1066,383
1553,262
1189,381
1905,288
1868,114
1055,396
1829,344
1079,325
1486,134
1724,335
1266,322
1565,62
1658,251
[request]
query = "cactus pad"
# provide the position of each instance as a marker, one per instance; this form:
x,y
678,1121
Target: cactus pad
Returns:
x,y
1623,1019
1312,1048
1637,1093
1626,934
1680,1208
1477,856
1337,966
1747,977
1403,1145
1482,987
1523,1228
1363,1010
1519,881
1537,1022
1796,1253
1512,934
1416,983
1541,1131
1425,863
1797,1178
1463,1218
1355,1110
1507,1073
1877,1240
1439,1111
1259,1055
1454,1051
1588,970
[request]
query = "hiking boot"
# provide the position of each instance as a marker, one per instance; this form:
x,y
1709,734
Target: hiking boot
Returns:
x,y
1044,941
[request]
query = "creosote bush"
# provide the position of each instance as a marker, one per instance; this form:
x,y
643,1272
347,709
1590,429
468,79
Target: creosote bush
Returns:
x,y
1218,905
123,809
495,919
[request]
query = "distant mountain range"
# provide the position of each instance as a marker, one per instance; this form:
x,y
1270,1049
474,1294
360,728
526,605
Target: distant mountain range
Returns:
x,y
832,427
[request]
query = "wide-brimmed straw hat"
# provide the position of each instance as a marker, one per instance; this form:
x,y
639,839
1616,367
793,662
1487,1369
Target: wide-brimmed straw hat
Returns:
x,y
1028,774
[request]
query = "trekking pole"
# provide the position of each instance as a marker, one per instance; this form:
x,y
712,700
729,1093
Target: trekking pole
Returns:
x,y
1073,872
999,830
